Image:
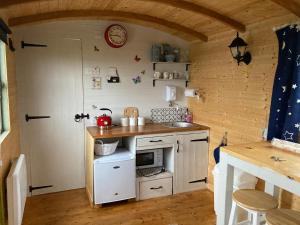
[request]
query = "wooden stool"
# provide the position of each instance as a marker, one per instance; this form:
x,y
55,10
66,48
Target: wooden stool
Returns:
x,y
283,216
256,203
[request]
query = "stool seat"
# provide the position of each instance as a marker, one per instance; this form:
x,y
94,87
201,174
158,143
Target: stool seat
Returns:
x,y
254,200
283,216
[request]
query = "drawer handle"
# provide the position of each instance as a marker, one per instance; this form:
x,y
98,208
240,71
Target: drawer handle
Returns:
x,y
156,141
116,167
156,188
116,193
198,140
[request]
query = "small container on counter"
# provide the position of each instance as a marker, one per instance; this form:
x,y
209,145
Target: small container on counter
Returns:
x,y
132,121
124,121
141,121
188,116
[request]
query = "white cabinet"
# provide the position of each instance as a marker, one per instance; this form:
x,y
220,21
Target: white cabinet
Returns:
x,y
191,161
114,178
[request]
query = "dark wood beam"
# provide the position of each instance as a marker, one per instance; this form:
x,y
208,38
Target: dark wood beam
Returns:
x,y
290,5
5,3
189,6
105,14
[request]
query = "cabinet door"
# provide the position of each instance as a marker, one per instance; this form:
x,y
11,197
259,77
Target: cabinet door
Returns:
x,y
179,172
191,162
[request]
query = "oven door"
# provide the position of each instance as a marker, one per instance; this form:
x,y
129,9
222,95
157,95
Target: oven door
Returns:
x,y
146,159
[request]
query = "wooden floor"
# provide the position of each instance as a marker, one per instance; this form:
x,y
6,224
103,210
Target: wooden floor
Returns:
x,y
72,208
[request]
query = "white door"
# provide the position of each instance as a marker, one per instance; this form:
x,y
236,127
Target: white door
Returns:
x,y
191,162
49,83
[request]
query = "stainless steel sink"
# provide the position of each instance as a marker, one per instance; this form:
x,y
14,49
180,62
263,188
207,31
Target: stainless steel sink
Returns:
x,y
178,124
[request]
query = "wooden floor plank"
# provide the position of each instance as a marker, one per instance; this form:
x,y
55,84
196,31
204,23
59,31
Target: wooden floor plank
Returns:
x,y
72,208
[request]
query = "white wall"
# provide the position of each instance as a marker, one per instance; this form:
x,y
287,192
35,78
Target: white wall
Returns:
x,y
126,93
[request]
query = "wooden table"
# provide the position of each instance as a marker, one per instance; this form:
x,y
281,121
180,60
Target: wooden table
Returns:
x,y
257,159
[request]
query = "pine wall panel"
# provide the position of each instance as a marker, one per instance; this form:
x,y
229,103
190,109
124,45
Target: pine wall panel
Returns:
x,y
236,99
10,147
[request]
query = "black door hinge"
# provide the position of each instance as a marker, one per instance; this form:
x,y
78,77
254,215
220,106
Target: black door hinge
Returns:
x,y
40,187
24,44
27,117
198,181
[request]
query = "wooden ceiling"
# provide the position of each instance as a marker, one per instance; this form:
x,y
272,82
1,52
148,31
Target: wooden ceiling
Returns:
x,y
188,19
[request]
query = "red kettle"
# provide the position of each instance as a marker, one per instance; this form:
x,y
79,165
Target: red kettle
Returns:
x,y
104,121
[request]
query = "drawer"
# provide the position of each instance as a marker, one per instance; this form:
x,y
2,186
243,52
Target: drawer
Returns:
x,y
114,181
155,141
196,136
156,188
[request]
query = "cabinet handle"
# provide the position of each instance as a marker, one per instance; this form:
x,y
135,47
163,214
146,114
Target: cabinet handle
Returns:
x,y
116,167
156,141
177,146
156,188
197,140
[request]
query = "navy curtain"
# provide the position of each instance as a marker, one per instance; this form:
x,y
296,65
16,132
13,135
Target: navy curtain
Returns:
x,y
284,122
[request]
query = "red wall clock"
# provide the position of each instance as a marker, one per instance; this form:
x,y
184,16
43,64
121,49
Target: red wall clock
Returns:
x,y
115,36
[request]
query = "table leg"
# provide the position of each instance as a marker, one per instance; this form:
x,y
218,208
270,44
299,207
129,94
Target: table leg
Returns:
x,y
271,189
225,190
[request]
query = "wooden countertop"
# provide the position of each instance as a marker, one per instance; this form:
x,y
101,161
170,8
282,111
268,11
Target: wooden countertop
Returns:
x,y
260,154
154,128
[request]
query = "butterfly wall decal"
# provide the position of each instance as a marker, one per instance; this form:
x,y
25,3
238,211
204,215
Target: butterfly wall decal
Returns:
x,y
136,80
137,59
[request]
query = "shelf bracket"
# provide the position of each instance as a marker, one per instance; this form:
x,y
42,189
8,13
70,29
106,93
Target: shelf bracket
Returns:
x,y
154,66
187,66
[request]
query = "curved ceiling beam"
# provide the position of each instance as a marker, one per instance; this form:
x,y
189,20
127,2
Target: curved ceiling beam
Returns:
x,y
5,3
104,14
204,11
290,5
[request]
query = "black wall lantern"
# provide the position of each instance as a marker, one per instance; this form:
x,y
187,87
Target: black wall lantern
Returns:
x,y
238,50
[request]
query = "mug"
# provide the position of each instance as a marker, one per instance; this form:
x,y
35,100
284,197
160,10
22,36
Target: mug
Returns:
x,y
176,75
132,121
124,121
141,121
166,75
157,75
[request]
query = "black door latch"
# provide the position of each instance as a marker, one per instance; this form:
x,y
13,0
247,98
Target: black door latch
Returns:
x,y
79,117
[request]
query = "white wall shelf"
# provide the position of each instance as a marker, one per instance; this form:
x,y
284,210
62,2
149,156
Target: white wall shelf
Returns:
x,y
187,64
186,81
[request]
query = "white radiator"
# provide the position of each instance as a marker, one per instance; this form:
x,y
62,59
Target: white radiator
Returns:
x,y
17,191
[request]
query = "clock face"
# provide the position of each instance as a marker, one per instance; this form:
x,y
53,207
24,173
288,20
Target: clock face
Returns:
x,y
116,36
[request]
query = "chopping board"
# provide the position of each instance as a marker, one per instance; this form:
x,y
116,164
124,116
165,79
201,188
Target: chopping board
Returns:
x,y
131,112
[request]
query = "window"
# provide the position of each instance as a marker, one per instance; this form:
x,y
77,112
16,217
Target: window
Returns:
x,y
4,103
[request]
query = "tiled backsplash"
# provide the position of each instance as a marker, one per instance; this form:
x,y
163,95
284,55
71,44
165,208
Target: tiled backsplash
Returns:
x,y
163,115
